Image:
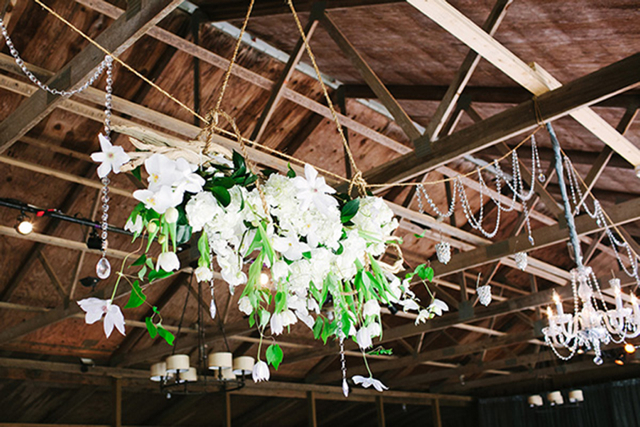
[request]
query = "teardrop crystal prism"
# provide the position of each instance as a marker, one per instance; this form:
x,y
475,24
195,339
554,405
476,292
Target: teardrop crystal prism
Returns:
x,y
345,388
103,268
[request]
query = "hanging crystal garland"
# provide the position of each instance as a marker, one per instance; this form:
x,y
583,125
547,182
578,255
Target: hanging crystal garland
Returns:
x,y
515,183
483,292
592,324
103,267
443,252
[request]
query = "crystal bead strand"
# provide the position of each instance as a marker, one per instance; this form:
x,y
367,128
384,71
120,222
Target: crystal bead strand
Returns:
x,y
343,361
16,55
103,268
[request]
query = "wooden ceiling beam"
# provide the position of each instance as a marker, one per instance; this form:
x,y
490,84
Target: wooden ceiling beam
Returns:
x,y
543,237
285,75
534,79
433,355
462,76
229,10
123,33
477,94
584,91
249,76
384,96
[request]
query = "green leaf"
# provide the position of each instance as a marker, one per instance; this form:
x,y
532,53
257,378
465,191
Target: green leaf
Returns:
x,y
281,302
183,234
290,172
203,248
252,321
424,272
238,163
317,328
222,195
137,173
142,272
137,297
349,210
420,236
158,274
140,261
168,336
274,355
153,331
266,246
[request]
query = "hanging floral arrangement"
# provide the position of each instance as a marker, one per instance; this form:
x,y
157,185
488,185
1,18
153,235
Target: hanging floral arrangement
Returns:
x,y
321,250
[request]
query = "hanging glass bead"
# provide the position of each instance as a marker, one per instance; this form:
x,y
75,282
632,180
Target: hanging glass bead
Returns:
x,y
521,260
443,251
103,268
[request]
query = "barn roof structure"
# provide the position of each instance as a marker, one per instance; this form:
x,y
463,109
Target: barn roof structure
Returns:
x,y
425,90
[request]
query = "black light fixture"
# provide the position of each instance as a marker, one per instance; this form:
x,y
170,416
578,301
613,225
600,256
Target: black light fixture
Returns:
x,y
24,225
89,282
94,241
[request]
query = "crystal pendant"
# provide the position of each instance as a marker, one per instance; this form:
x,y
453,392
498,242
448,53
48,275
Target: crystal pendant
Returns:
x,y
484,294
598,360
521,260
541,177
103,268
443,251
345,388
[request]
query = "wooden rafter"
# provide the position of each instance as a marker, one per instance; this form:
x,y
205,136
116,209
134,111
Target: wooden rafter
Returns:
x,y
552,105
534,79
116,39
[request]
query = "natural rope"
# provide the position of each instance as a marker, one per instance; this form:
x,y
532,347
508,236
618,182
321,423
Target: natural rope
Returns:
x,y
118,60
357,180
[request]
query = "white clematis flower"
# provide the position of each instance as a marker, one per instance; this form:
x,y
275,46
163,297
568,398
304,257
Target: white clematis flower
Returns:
x,y
95,308
160,200
260,372
203,274
290,247
134,226
409,304
188,180
112,157
438,306
368,382
162,171
168,261
314,190
423,316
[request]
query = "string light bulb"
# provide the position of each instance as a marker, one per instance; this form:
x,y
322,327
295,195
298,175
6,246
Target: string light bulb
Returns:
x,y
24,225
629,348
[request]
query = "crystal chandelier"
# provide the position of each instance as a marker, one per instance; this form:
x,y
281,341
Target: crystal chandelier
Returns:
x,y
592,324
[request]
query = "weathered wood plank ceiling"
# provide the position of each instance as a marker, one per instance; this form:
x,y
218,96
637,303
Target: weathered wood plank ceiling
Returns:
x,y
495,350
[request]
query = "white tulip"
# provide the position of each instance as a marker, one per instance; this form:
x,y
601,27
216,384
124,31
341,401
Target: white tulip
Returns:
x,y
203,274
371,308
260,372
244,305
171,215
168,261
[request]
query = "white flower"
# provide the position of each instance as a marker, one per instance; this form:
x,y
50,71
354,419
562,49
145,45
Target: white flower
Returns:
x,y
364,338
168,261
162,171
290,246
95,308
188,180
423,316
281,320
245,305
314,190
280,270
438,306
134,227
260,372
368,382
112,157
171,215
371,308
160,200
409,304
201,209
203,274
